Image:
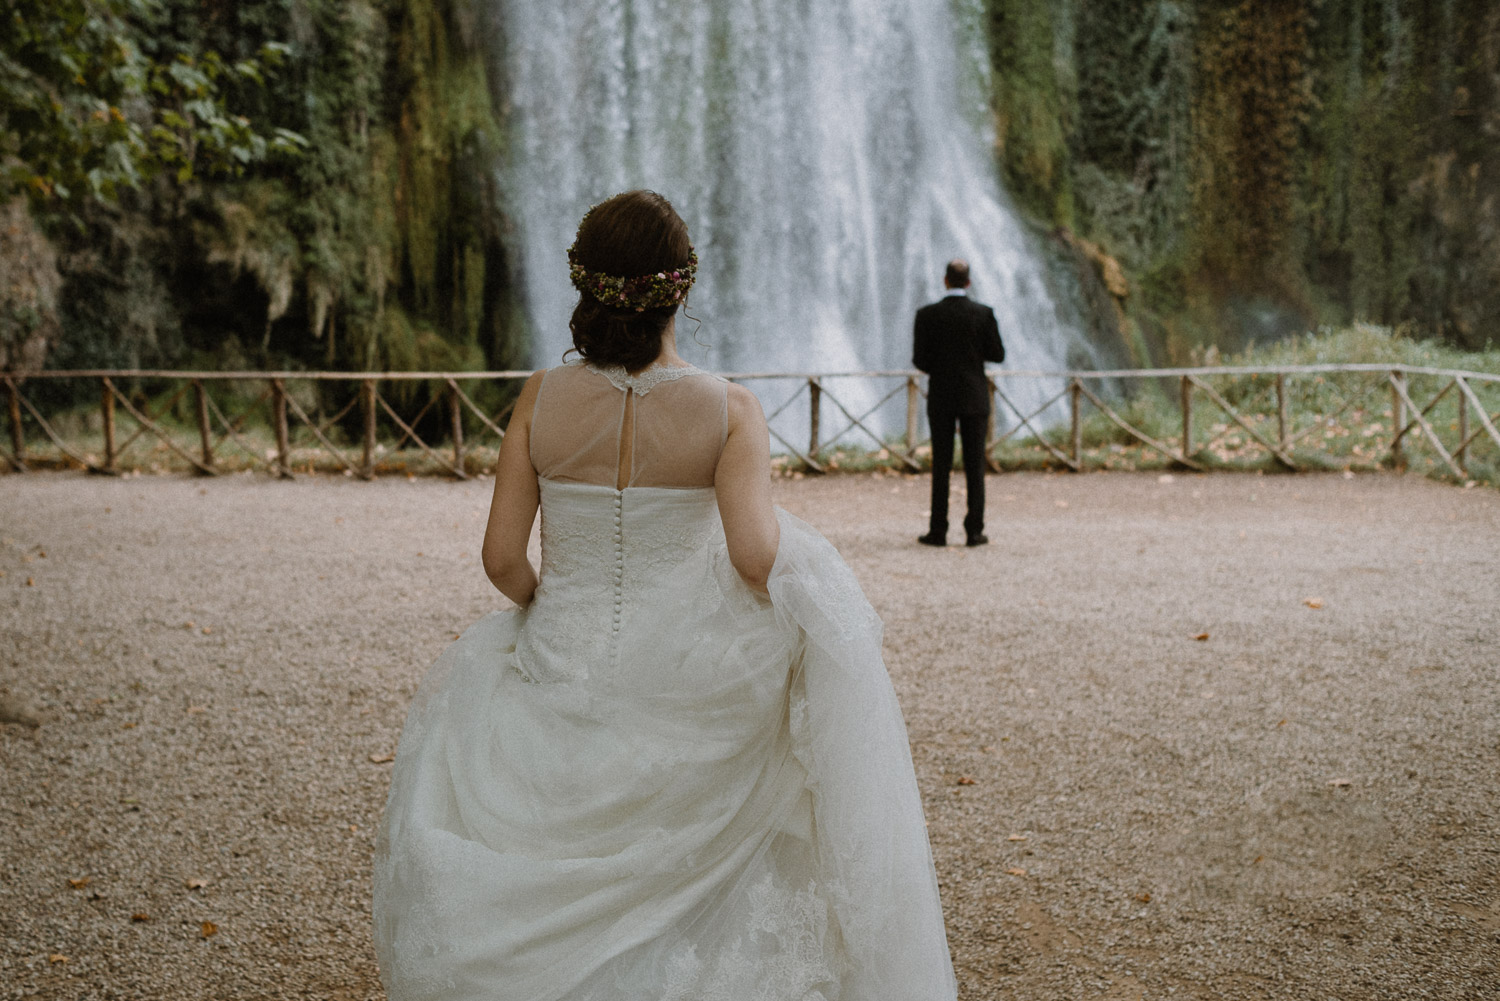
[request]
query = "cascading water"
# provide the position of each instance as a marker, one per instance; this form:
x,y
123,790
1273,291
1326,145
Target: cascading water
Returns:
x,y
819,151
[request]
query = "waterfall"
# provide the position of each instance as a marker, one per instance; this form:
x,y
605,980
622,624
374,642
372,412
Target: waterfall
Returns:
x,y
828,156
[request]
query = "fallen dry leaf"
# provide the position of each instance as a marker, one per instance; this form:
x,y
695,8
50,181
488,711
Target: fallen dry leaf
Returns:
x,y
1339,783
196,883
140,917
206,630
1016,837
1015,871
1201,637
56,958
1313,602
964,780
208,928
1144,898
382,759
79,883
31,582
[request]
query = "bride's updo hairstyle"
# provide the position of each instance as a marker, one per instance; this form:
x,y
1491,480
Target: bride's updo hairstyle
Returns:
x,y
632,264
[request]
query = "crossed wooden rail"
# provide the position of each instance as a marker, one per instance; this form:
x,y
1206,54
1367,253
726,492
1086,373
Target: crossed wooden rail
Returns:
x,y
1409,419
282,404
1407,416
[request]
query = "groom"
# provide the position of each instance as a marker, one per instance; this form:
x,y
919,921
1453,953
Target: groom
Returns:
x,y
954,337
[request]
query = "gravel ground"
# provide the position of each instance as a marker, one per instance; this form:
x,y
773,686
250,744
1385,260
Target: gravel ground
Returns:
x,y
1152,767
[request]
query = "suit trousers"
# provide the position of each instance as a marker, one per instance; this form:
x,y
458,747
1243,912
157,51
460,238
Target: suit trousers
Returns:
x,y
971,429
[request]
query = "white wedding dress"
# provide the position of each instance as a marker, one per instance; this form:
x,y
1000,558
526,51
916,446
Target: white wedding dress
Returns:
x,y
652,783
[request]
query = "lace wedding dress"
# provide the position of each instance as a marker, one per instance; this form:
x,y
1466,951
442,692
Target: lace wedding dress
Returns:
x,y
653,783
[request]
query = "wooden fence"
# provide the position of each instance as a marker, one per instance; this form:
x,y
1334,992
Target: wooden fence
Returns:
x,y
1265,416
1261,412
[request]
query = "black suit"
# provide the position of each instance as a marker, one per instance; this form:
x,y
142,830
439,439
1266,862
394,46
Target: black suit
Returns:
x,y
954,337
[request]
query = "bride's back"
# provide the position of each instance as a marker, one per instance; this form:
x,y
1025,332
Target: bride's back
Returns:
x,y
663,427
626,468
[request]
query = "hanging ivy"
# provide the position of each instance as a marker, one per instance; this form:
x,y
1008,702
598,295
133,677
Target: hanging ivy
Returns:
x,y
1259,166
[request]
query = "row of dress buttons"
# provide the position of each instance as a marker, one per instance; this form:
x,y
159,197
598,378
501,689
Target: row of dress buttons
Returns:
x,y
619,561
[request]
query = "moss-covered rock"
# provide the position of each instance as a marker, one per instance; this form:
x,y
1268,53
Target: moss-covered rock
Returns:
x,y
1260,167
380,245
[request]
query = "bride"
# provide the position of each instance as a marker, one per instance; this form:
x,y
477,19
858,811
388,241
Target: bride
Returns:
x,y
678,770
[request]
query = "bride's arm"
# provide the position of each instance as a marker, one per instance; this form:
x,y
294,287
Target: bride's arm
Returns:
x,y
743,484
513,508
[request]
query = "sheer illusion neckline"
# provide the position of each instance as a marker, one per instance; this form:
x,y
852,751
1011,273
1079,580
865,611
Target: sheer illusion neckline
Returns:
x,y
646,379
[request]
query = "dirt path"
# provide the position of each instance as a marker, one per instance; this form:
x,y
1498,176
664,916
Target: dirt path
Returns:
x,y
1302,805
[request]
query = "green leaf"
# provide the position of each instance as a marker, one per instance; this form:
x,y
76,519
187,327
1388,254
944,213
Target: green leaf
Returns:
x,y
188,77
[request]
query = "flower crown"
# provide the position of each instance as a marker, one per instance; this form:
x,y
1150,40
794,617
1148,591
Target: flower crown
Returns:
x,y
643,292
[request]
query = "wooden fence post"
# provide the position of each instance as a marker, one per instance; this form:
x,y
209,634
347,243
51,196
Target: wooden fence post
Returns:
x,y
107,411
1281,411
17,436
283,438
1398,421
1461,456
205,432
1075,414
912,394
367,394
815,391
456,419
1187,417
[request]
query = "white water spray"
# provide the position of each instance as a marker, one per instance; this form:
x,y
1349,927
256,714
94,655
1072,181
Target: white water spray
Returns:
x,y
819,151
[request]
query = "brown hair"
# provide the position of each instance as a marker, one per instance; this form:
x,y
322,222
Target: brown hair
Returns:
x,y
631,234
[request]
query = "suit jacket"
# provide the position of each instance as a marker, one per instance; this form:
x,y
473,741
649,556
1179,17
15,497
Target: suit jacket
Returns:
x,y
954,337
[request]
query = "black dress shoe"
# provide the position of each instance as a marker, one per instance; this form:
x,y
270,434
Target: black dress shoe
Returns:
x,y
932,540
977,539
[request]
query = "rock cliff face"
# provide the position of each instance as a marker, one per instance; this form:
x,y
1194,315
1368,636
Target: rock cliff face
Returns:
x,y
1258,167
29,281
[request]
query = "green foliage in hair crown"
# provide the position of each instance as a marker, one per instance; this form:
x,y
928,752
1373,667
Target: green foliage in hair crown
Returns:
x,y
640,293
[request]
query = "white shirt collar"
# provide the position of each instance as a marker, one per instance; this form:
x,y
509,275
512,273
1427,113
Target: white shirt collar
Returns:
x,y
956,291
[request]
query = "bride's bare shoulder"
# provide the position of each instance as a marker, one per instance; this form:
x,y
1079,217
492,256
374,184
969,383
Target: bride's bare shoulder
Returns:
x,y
744,406
526,402
743,402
